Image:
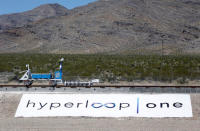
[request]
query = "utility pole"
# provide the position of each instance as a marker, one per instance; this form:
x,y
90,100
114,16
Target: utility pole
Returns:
x,y
162,53
162,47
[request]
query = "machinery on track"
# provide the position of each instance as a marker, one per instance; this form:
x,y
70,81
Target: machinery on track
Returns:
x,y
28,78
57,78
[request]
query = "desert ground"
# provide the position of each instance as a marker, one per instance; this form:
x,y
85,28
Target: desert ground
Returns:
x,y
9,102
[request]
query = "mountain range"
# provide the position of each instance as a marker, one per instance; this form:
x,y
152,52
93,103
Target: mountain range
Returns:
x,y
105,26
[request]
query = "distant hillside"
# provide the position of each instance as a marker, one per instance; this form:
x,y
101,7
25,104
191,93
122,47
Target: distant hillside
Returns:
x,y
113,26
21,19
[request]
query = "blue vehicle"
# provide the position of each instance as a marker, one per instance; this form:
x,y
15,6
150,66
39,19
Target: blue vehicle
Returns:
x,y
53,79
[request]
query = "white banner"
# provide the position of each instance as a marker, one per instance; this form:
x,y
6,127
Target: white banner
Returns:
x,y
105,105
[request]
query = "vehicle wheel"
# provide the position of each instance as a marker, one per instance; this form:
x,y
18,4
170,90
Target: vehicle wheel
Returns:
x,y
28,83
53,83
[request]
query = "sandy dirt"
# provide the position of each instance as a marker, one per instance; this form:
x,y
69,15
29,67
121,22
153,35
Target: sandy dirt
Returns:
x,y
9,103
135,83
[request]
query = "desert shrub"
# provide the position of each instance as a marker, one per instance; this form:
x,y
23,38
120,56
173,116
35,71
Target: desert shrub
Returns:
x,y
107,67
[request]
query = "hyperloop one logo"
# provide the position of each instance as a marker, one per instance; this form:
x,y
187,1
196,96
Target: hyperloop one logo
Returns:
x,y
105,105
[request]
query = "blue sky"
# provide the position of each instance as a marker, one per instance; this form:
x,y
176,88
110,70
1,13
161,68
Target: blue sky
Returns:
x,y
15,6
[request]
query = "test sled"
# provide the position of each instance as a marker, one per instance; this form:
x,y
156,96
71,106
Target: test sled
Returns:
x,y
28,78
53,79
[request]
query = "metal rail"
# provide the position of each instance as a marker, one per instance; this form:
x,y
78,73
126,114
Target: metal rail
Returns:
x,y
102,86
